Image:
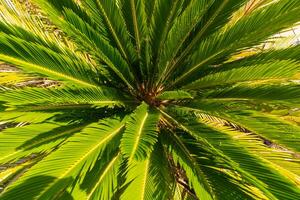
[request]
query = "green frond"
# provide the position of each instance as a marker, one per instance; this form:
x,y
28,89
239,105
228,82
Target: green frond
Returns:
x,y
269,127
217,14
26,116
183,158
234,74
269,55
151,99
286,162
179,32
138,175
30,35
102,181
271,185
287,94
141,133
164,14
112,17
66,97
106,52
226,42
9,174
33,57
79,25
27,17
281,159
225,182
110,14
149,7
12,78
33,139
174,95
149,179
134,13
78,155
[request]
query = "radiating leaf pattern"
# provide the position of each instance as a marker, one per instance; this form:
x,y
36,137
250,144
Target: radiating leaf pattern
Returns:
x,y
148,99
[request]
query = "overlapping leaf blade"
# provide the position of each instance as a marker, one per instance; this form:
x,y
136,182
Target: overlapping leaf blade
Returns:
x,y
141,133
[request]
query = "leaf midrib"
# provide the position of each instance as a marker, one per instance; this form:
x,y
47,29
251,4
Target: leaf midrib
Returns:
x,y
145,179
40,68
139,134
80,160
112,29
198,36
108,167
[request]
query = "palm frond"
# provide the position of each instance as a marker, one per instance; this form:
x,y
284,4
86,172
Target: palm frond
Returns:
x,y
149,179
231,74
179,32
42,99
164,13
224,43
196,177
49,178
33,139
285,94
111,16
224,182
217,14
134,13
20,32
141,133
12,78
246,160
270,127
33,57
106,182
26,116
174,95
78,24
274,128
156,99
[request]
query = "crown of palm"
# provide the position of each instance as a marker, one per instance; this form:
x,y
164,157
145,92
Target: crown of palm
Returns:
x,y
164,99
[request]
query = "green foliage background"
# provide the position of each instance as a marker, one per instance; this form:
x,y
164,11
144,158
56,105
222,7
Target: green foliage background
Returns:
x,y
138,99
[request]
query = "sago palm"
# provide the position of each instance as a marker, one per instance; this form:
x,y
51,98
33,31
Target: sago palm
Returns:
x,y
154,99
